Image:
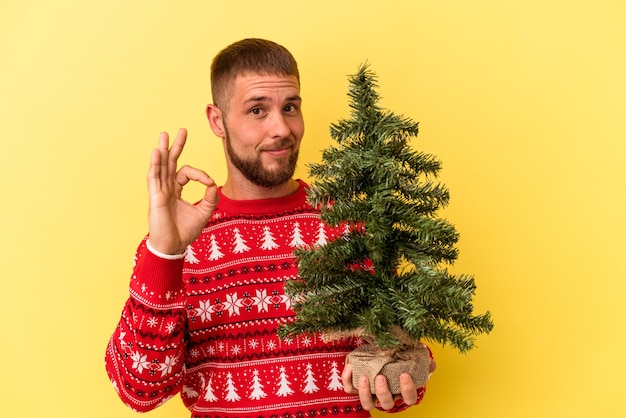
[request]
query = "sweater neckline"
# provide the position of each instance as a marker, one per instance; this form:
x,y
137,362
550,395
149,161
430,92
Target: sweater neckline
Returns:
x,y
263,206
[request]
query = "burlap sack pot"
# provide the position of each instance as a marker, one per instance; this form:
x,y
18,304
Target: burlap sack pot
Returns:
x,y
371,361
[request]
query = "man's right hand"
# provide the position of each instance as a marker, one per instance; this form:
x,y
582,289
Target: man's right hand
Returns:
x,y
173,222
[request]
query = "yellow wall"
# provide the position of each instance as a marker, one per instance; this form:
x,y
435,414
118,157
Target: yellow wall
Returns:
x,y
524,101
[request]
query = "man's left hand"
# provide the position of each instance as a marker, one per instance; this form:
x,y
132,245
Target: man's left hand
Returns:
x,y
383,396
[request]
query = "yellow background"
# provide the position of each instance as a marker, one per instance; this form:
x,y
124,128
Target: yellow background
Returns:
x,y
523,101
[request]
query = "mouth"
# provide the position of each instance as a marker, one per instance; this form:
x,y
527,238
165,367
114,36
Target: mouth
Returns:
x,y
278,152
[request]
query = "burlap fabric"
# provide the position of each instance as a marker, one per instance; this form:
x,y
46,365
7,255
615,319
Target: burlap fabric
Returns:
x,y
370,361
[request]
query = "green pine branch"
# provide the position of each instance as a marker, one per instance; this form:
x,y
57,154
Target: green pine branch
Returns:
x,y
388,271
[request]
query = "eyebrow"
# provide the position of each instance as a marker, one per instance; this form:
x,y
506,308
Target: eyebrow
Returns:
x,y
258,99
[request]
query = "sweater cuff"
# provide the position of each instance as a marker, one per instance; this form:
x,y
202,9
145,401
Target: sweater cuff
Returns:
x,y
155,275
163,255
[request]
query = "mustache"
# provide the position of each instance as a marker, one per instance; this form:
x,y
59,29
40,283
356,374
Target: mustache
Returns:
x,y
279,144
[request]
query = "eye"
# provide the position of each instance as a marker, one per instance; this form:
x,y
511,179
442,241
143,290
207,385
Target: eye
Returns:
x,y
257,112
290,108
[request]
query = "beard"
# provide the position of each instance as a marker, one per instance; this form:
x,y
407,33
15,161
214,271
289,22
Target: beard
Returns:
x,y
253,170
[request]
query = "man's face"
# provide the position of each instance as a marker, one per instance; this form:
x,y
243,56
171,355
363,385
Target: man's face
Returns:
x,y
264,128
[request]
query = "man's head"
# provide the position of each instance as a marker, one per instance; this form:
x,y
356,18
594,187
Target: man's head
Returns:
x,y
251,55
257,113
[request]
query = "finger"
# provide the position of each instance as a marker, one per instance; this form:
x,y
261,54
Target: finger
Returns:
x,y
187,174
155,164
177,149
164,144
408,389
384,396
154,171
365,394
346,379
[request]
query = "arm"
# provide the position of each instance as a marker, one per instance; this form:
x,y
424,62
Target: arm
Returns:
x,y
145,355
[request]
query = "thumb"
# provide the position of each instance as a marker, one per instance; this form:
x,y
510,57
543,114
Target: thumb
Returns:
x,y
210,198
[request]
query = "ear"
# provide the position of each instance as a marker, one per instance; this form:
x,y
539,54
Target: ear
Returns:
x,y
216,120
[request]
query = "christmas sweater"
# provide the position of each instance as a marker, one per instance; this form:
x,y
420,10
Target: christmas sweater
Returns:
x,y
205,325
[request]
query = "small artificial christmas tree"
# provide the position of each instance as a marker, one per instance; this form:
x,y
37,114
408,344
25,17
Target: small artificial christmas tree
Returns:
x,y
385,280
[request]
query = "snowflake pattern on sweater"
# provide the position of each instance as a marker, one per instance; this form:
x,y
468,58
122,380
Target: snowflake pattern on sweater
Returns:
x,y
205,325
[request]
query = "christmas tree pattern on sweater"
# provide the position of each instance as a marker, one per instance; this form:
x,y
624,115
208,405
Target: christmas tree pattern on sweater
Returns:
x,y
215,338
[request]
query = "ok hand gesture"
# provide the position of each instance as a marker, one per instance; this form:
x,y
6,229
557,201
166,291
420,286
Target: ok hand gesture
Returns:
x,y
173,222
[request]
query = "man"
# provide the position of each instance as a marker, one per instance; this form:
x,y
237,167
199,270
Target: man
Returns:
x,y
206,294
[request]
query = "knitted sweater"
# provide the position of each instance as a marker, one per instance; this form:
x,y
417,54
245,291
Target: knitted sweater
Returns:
x,y
205,325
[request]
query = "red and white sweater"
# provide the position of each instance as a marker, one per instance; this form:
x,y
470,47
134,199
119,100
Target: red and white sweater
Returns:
x,y
205,325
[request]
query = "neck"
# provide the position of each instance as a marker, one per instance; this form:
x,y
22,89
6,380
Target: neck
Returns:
x,y
249,191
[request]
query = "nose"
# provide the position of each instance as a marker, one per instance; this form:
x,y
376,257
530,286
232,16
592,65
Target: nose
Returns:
x,y
279,127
